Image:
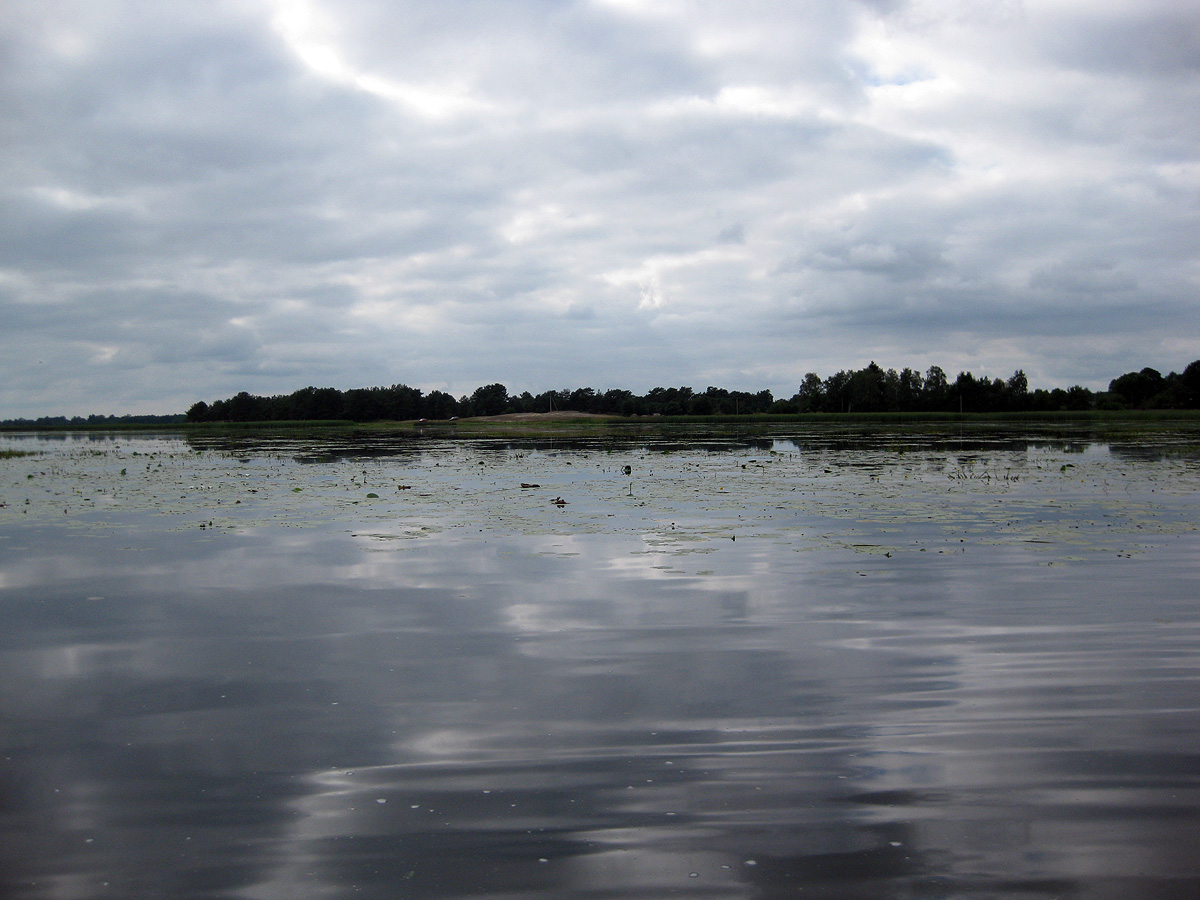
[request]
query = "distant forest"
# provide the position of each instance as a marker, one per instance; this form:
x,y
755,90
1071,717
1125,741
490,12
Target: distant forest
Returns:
x,y
871,389
94,421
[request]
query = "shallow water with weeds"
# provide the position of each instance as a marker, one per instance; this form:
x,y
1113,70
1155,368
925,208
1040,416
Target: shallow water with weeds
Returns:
x,y
804,665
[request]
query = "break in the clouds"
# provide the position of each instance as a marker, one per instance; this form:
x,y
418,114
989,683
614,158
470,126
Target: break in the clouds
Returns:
x,y
260,195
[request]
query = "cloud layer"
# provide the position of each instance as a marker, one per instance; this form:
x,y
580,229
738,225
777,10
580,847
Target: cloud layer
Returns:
x,y
203,199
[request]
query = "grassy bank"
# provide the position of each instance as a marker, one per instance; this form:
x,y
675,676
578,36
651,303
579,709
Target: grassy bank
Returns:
x,y
1097,423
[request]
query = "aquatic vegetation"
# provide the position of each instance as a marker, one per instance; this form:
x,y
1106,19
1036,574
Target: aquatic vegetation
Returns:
x,y
870,495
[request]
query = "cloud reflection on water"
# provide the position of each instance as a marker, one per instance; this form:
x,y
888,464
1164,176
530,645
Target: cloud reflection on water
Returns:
x,y
596,714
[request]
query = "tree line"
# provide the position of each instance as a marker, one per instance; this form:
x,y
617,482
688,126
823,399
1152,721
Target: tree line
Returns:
x,y
94,421
870,389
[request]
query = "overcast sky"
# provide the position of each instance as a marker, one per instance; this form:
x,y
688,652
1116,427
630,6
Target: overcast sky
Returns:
x,y
201,198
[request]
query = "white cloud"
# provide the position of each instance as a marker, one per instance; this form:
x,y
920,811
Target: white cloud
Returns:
x,y
310,31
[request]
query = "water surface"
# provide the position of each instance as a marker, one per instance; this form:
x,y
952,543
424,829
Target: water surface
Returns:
x,y
806,667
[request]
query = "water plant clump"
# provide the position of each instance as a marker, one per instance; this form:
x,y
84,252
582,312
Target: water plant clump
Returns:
x,y
860,494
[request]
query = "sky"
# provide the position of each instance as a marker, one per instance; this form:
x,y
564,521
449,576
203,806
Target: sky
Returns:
x,y
261,195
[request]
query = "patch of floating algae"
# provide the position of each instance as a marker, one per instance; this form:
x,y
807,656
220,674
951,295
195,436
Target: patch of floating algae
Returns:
x,y
878,501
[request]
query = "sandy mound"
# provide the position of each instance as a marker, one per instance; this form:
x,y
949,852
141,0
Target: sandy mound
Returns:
x,y
540,417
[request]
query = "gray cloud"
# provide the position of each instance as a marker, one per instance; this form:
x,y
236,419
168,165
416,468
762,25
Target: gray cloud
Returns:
x,y
197,200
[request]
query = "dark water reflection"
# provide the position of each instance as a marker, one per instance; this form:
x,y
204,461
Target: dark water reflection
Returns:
x,y
311,712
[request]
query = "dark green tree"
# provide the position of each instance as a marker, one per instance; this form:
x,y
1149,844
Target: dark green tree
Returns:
x,y
867,389
811,396
837,392
1189,383
1017,391
1137,388
244,407
619,402
908,389
490,400
438,405
583,400
935,392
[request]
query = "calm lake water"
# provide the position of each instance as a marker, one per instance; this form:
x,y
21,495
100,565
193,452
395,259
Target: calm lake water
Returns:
x,y
831,666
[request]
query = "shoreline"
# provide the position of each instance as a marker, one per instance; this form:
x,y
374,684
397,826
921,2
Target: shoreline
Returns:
x,y
571,424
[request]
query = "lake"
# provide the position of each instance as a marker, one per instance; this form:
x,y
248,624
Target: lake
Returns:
x,y
934,664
